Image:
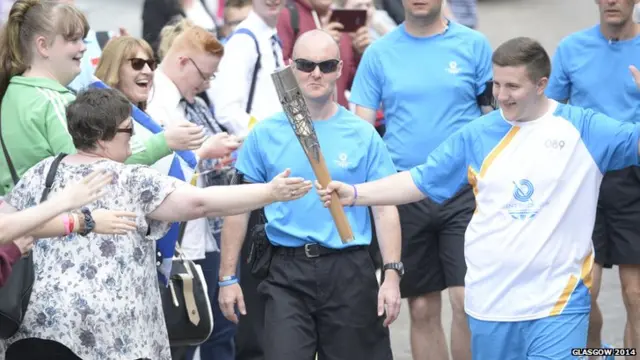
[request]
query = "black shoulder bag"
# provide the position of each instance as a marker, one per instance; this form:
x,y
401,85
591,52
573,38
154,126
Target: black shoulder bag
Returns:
x,y
185,302
16,292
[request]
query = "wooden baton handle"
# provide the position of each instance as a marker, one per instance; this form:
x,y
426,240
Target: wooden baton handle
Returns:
x,y
336,209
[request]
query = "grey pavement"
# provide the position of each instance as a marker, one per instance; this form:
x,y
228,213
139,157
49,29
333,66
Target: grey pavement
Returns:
x,y
546,20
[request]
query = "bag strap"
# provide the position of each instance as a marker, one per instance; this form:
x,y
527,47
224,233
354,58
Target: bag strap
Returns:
x,y
12,169
51,175
256,67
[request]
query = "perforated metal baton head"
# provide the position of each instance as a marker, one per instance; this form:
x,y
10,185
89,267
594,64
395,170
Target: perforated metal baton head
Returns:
x,y
295,106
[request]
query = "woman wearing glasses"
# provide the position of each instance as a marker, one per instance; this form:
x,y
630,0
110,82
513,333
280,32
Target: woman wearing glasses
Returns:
x,y
97,296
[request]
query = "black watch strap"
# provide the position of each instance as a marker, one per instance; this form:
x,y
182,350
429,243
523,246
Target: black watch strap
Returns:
x,y
89,223
398,267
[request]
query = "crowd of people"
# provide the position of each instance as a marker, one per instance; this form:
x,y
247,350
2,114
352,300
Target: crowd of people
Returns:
x,y
503,176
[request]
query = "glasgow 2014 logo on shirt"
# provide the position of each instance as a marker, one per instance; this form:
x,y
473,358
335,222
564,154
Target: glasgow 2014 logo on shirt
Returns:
x,y
522,207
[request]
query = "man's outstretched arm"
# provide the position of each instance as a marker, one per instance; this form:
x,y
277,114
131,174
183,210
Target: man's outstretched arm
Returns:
x,y
439,178
396,189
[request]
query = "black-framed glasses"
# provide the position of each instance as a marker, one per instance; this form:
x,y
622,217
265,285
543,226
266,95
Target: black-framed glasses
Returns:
x,y
204,78
326,67
138,64
127,130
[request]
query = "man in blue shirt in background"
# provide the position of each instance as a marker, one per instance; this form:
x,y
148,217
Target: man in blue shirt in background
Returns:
x,y
432,76
320,295
590,69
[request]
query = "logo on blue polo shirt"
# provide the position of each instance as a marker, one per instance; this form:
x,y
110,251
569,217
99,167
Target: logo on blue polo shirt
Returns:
x,y
523,207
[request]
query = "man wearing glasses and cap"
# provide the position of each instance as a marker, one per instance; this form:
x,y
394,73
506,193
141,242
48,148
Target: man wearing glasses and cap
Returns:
x,y
320,295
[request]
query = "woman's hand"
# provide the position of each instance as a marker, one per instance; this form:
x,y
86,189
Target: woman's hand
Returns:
x,y
284,188
88,190
113,222
219,146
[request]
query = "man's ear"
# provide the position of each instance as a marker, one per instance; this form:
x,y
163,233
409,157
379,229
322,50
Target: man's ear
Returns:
x,y
542,85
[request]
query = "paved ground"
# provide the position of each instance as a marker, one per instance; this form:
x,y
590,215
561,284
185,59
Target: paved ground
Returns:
x,y
546,20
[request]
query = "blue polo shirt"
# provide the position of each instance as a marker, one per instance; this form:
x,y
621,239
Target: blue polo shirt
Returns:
x,y
592,72
428,87
354,153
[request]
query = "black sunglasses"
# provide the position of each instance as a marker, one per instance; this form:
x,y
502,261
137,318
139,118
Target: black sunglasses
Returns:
x,y
326,67
138,64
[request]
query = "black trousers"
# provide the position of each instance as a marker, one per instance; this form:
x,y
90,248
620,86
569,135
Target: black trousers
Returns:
x,y
39,349
326,304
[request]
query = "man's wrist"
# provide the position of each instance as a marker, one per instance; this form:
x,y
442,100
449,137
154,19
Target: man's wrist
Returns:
x,y
355,195
394,267
227,280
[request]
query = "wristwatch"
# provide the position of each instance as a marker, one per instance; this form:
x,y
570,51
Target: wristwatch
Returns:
x,y
89,223
398,267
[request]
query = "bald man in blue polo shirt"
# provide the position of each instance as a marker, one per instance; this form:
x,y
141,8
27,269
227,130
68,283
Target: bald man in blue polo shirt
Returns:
x,y
320,295
432,76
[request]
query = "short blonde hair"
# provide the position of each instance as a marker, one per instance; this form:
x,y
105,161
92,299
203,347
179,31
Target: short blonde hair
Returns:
x,y
169,33
196,38
118,51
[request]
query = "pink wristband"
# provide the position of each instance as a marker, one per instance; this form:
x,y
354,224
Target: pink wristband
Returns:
x,y
67,224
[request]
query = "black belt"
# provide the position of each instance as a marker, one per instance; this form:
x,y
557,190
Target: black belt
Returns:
x,y
316,250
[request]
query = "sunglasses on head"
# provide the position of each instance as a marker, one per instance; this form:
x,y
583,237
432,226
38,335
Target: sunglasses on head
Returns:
x,y
138,64
326,67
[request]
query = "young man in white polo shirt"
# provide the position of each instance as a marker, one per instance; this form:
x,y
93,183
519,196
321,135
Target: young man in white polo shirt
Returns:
x,y
535,167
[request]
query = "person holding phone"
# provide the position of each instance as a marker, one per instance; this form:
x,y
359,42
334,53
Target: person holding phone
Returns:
x,y
355,23
378,21
305,15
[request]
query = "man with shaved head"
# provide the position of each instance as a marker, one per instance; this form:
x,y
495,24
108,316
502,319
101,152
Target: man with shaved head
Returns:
x,y
321,296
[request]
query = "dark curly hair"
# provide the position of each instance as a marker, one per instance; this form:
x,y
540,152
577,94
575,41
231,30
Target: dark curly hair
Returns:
x,y
95,115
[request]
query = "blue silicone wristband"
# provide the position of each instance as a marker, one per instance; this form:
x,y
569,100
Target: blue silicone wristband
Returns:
x,y
228,280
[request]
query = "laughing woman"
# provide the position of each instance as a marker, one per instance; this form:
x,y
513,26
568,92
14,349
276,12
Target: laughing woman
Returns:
x,y
40,50
127,64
